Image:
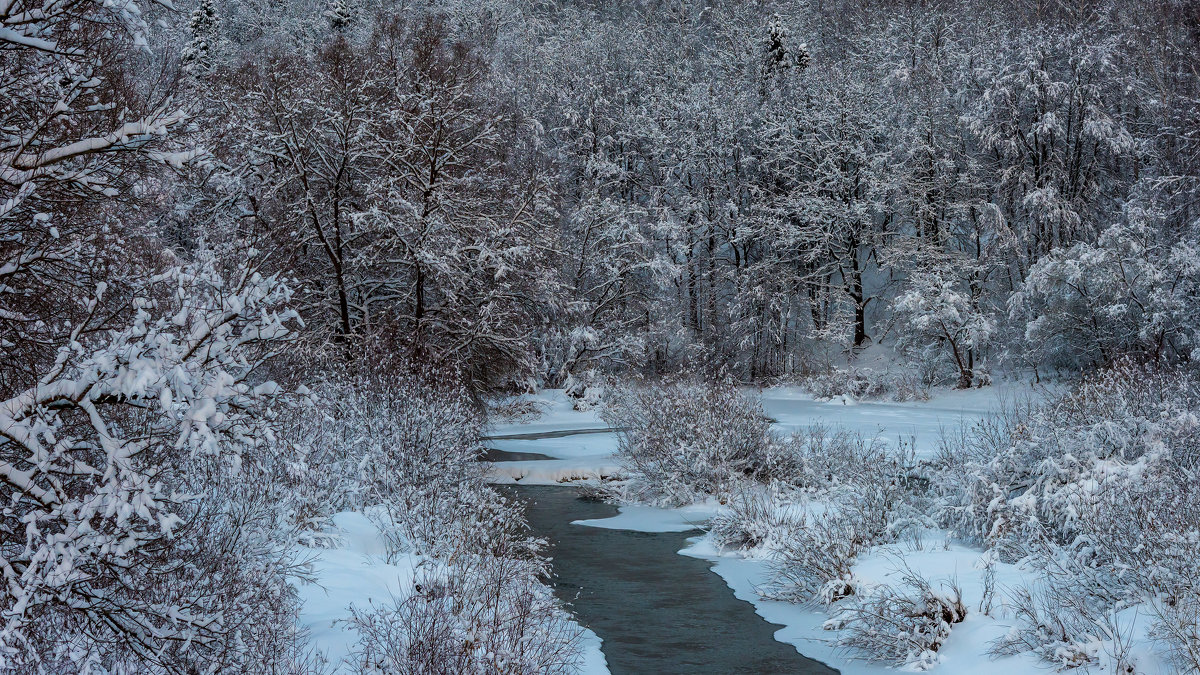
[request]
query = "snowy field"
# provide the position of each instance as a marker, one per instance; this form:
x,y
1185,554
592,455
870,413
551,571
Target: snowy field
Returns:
x,y
919,425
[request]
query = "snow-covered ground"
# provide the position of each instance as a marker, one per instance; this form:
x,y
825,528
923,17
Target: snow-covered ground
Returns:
x,y
355,572
917,423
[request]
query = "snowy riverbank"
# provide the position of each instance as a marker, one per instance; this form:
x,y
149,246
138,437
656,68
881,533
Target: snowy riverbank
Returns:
x,y
357,572
592,456
984,582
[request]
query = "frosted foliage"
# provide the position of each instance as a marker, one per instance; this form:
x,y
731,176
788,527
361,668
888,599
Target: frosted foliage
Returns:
x,y
263,265
1131,292
1095,488
489,616
405,449
684,440
94,457
939,310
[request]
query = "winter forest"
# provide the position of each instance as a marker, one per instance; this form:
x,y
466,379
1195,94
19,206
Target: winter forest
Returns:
x,y
324,325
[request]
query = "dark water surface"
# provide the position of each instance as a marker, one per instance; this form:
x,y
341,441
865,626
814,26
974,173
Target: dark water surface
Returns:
x,y
656,611
498,455
561,433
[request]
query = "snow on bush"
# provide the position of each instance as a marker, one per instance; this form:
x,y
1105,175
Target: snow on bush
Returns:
x,y
756,519
842,494
867,499
1063,621
488,616
901,625
815,563
865,384
1096,489
680,441
404,449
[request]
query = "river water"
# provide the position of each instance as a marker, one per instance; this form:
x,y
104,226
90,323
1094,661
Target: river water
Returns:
x,y
655,610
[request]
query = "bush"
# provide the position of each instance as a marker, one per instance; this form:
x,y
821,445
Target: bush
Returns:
x,y
482,616
1132,291
901,626
1097,488
404,449
1062,619
869,499
756,519
815,563
680,441
866,383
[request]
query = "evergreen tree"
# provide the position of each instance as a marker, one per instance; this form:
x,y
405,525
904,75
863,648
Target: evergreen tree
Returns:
x,y
198,53
339,15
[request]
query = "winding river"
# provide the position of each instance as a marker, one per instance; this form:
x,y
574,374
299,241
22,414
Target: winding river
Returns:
x,y
655,610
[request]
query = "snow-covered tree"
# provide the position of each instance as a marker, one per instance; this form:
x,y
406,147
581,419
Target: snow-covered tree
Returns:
x,y
1055,123
824,194
1132,292
339,14
73,140
198,54
95,458
398,195
779,52
937,311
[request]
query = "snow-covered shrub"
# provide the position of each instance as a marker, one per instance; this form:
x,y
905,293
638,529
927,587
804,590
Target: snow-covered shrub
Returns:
x,y
867,383
902,626
1062,620
865,478
681,440
585,391
911,386
1097,488
516,410
857,383
814,563
139,471
478,616
1076,464
1177,625
868,499
756,519
404,448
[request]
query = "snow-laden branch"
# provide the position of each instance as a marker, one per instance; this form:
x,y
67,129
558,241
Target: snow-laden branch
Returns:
x,y
72,446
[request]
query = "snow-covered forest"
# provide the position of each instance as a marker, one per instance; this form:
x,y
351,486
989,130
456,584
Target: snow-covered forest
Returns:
x,y
278,276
